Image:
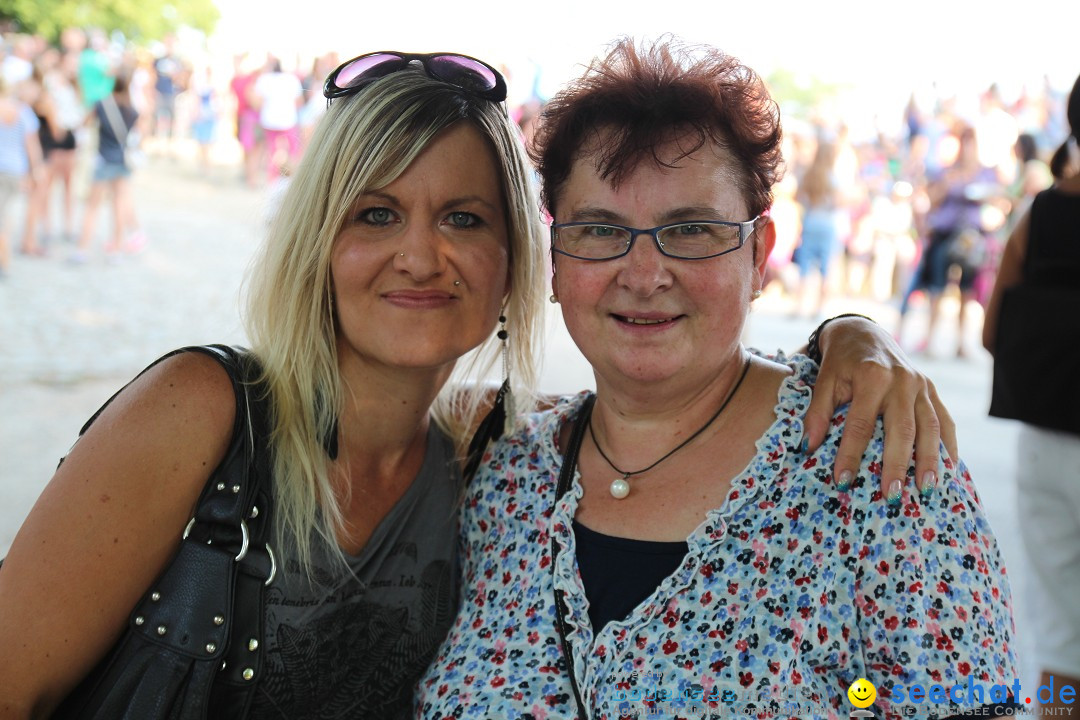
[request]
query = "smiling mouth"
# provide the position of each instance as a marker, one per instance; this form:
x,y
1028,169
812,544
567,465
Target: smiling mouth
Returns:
x,y
645,321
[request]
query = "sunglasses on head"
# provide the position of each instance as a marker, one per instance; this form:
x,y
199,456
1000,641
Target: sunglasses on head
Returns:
x,y
471,75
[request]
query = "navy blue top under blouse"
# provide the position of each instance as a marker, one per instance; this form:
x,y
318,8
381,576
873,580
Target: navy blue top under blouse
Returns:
x,y
619,573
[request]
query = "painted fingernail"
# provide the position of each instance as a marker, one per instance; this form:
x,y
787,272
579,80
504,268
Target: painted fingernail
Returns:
x,y
929,482
805,447
843,483
895,493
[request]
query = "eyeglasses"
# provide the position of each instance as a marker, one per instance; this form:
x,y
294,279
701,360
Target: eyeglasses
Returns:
x,y
472,75
696,240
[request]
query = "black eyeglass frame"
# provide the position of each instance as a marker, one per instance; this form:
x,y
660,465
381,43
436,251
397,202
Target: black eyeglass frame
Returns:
x,y
746,229
332,91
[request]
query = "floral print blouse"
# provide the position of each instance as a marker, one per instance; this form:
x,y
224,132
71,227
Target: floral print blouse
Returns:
x,y
791,590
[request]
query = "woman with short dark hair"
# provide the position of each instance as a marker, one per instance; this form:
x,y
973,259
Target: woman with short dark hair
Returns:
x,y
669,540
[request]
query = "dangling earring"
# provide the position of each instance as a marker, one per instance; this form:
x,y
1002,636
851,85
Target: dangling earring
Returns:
x,y
500,419
506,395
554,299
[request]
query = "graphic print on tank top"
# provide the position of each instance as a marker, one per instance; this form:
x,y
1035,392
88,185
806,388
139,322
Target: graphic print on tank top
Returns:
x,y
354,658
352,646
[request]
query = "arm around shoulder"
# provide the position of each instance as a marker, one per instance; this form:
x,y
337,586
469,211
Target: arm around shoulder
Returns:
x,y
105,526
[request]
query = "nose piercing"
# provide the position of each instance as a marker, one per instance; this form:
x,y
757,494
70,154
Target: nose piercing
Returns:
x,y
401,254
457,283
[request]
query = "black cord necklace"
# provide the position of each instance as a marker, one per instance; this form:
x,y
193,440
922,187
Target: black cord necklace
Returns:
x,y
619,487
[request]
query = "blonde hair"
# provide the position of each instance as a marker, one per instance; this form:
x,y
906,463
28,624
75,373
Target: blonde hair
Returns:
x,y
362,143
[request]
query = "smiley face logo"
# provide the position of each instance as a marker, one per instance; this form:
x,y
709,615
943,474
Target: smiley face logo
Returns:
x,y
862,693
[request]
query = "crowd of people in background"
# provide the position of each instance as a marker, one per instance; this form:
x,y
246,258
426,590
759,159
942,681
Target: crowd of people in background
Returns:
x,y
905,217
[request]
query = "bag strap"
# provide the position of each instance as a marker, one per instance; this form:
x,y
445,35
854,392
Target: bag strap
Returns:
x,y
116,122
566,478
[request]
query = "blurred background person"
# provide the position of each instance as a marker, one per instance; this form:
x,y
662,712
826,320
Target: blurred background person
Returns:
x,y
95,69
781,275
112,173
248,132
278,96
1032,330
821,226
20,157
889,224
205,108
955,236
314,106
139,67
62,118
18,63
168,83
31,92
1032,176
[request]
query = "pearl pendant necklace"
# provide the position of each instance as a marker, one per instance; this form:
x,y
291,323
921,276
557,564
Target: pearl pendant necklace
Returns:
x,y
620,487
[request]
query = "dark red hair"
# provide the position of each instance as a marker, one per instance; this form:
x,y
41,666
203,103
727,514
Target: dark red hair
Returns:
x,y
641,97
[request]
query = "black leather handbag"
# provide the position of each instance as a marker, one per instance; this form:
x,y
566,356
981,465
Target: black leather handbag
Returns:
x,y
193,644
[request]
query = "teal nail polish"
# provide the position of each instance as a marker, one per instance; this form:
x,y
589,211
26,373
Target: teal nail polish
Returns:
x,y
896,493
805,447
929,483
843,483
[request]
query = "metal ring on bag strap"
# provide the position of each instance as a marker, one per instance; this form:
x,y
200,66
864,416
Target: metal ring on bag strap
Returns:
x,y
244,548
245,539
273,566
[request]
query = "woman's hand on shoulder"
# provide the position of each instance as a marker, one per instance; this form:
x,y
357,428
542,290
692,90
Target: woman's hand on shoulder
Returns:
x,y
863,365
105,526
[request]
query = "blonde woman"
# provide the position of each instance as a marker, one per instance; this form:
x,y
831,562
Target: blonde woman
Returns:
x,y
409,229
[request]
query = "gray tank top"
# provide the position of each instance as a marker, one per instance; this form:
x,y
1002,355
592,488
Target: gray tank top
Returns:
x,y
354,647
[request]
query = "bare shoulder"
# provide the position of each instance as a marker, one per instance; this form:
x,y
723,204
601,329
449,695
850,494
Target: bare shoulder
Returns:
x,y
175,420
190,388
107,524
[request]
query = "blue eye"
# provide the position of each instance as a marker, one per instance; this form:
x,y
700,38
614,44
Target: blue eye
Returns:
x,y
377,216
690,229
463,219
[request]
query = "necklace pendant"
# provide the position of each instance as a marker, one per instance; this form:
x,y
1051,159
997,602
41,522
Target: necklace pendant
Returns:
x,y
619,488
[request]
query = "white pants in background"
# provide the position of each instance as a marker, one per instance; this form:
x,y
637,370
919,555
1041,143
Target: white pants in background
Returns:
x,y
1048,484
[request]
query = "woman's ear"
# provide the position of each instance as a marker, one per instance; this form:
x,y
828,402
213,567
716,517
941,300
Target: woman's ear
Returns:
x,y
764,239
